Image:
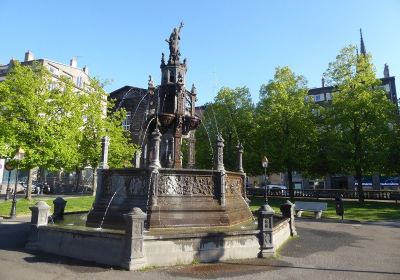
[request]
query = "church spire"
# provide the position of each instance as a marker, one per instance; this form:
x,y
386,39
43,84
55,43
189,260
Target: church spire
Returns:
x,y
362,46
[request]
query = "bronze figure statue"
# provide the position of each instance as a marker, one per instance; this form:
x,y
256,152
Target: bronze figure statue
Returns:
x,y
173,42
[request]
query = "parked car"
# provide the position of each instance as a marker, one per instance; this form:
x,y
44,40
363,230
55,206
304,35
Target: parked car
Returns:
x,y
277,189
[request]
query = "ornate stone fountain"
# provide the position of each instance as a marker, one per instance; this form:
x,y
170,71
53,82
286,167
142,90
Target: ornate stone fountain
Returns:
x,y
206,209
170,195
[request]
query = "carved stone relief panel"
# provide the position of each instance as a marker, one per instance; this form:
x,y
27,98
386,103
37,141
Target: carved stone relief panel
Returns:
x,y
234,185
136,185
185,185
267,239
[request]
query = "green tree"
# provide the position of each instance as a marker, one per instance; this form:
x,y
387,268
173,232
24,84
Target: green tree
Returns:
x,y
361,115
121,150
232,115
286,124
24,99
100,119
58,126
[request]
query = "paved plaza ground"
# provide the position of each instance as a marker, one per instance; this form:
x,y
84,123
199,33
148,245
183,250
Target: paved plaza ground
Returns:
x,y
324,250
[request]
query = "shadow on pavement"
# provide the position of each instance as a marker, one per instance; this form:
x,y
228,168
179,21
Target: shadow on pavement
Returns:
x,y
68,263
13,236
312,241
227,268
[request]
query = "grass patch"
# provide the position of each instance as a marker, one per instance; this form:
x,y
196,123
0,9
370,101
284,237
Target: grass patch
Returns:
x,y
371,211
147,268
74,204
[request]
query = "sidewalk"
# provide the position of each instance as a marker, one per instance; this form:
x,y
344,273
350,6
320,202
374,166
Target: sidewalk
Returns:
x,y
325,249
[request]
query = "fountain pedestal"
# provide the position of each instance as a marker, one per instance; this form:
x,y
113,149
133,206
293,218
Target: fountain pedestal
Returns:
x,y
184,198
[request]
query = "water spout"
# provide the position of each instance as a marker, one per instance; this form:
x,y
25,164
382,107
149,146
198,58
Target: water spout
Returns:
x,y
108,206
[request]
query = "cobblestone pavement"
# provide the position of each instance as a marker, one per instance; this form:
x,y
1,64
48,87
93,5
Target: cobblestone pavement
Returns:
x,y
324,250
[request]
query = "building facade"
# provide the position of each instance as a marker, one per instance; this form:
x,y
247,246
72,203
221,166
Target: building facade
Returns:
x,y
79,77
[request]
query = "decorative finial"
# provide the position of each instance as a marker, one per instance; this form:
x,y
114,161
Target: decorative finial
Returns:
x,y
386,71
162,59
180,78
151,84
362,46
194,90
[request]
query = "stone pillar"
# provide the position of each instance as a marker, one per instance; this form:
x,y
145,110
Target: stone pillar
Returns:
x,y
133,258
143,158
239,167
170,162
40,214
59,207
155,149
219,161
105,141
192,151
288,212
265,225
177,149
219,166
137,159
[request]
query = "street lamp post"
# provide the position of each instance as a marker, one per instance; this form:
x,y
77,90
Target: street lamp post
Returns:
x,y
8,186
19,155
9,168
264,164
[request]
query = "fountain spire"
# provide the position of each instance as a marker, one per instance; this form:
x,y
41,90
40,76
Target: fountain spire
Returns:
x,y
362,45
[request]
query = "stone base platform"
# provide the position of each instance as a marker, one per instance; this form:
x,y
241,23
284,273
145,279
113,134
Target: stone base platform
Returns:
x,y
160,247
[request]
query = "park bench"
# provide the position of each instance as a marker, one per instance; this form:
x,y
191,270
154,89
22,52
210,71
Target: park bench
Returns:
x,y
316,207
395,196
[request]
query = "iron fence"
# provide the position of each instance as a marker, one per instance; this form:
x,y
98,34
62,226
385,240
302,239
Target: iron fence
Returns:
x,y
331,194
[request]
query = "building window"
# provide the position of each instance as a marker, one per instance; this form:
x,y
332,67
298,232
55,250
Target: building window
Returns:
x,y
126,123
317,98
328,96
53,70
79,82
52,85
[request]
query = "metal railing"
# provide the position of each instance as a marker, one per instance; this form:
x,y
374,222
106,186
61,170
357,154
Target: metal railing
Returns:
x,y
332,193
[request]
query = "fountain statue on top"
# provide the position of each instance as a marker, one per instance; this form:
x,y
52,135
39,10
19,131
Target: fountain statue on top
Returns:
x,y
170,195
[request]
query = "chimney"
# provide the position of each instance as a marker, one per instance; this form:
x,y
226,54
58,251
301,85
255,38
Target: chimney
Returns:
x,y
86,70
386,71
29,56
73,62
323,81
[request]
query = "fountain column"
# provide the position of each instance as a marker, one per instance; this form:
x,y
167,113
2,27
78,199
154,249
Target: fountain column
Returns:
x,y
154,165
133,257
192,151
219,166
105,142
239,167
265,225
155,150
219,162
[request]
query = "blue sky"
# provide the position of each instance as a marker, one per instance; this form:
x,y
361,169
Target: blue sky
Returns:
x,y
227,43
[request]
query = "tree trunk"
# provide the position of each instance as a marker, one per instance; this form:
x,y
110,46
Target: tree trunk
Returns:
x,y
78,179
290,182
358,160
360,190
59,179
28,194
94,183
